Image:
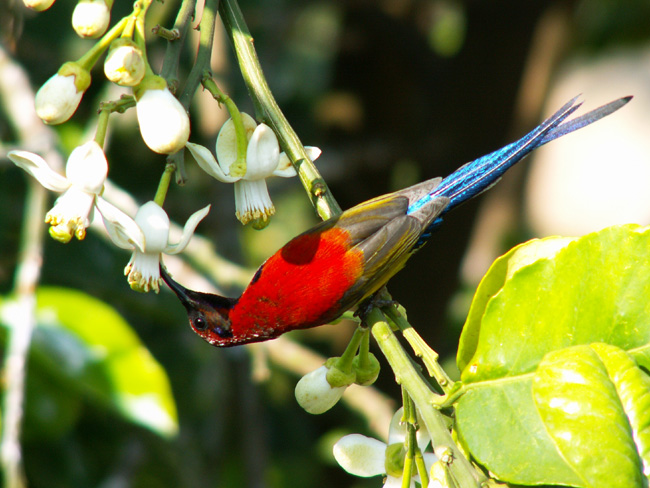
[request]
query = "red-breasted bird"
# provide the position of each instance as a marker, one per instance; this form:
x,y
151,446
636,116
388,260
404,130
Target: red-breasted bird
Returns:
x,y
336,264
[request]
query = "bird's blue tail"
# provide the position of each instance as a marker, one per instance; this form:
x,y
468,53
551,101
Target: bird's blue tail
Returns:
x,y
477,176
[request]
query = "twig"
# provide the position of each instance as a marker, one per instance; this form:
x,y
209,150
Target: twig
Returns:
x,y
423,397
260,92
19,314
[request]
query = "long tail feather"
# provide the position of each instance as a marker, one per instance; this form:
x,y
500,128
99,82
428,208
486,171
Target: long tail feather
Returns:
x,y
479,175
584,120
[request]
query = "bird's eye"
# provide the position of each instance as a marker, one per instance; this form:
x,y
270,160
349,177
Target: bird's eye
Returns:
x,y
200,323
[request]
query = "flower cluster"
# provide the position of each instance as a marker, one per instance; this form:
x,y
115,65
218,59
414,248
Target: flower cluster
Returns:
x,y
321,389
86,169
164,122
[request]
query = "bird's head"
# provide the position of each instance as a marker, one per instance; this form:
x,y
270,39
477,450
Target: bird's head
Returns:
x,y
208,314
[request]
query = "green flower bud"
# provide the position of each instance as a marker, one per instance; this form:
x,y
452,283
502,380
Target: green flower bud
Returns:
x,y
366,376
394,463
336,376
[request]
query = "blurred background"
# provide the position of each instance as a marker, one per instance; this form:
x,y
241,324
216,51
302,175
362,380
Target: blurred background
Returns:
x,y
393,92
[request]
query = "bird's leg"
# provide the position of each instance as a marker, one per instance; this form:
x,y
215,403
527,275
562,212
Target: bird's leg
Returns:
x,y
380,299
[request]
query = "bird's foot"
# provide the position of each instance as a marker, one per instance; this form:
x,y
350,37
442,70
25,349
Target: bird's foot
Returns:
x,y
379,299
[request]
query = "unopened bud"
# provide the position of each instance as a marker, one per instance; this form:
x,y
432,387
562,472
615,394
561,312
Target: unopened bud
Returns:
x,y
60,96
164,123
124,63
90,18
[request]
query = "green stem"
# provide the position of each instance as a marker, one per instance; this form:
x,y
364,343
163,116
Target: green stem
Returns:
x,y
102,125
140,37
410,417
420,348
364,350
169,35
163,186
420,392
261,95
182,24
88,60
238,168
344,363
204,53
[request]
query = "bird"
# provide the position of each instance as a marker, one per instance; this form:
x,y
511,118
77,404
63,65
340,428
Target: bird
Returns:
x,y
340,262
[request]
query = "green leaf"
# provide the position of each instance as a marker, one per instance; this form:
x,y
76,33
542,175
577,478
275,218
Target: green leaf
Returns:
x,y
579,394
544,298
86,343
501,426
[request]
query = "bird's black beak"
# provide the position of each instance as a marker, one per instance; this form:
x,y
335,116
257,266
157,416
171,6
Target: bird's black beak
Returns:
x,y
183,294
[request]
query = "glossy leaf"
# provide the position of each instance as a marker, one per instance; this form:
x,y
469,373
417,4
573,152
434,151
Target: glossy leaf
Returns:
x,y
534,305
577,392
86,344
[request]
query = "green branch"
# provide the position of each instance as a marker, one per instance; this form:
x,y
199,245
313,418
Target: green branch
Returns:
x,y
423,397
265,103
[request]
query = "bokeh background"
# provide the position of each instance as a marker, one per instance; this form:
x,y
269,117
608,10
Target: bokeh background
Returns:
x,y
394,92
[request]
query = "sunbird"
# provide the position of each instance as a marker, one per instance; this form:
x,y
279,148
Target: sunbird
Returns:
x,y
340,262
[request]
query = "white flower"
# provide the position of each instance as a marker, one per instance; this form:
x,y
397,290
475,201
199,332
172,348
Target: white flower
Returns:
x,y
143,269
86,171
315,394
38,5
59,97
263,159
124,63
90,18
164,123
365,457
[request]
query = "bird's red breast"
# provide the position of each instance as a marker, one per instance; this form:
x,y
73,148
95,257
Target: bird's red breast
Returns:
x,y
299,284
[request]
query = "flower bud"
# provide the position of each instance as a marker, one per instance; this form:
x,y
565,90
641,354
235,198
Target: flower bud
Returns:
x,y
60,96
394,462
164,123
90,18
367,374
315,394
38,5
124,63
337,376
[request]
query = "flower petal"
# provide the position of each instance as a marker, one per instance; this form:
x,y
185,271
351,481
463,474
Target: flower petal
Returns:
x,y
263,154
87,167
395,482
226,146
121,228
252,201
143,271
70,215
39,169
206,161
397,429
154,223
188,231
360,455
285,168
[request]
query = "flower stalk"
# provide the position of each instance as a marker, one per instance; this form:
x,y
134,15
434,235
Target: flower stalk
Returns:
x,y
268,108
422,395
420,348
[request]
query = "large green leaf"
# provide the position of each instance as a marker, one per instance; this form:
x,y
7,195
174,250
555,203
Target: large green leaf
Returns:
x,y
90,348
532,307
